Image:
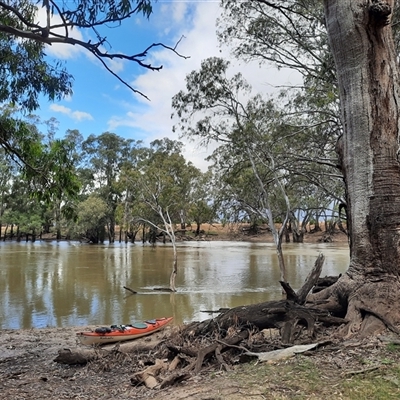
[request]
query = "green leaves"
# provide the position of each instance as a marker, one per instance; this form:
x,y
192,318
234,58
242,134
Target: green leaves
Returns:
x,y
24,72
46,167
93,12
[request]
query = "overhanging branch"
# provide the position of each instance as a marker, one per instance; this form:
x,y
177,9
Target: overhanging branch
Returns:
x,y
23,27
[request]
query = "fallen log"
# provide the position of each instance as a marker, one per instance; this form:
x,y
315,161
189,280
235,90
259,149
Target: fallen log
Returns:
x,y
285,315
80,356
289,316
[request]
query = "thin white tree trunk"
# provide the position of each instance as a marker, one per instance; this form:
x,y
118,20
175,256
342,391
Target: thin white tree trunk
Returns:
x,y
276,234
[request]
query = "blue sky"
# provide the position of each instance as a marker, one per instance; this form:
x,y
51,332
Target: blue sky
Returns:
x,y
101,103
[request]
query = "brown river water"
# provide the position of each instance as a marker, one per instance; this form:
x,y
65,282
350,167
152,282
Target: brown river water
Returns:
x,y
59,284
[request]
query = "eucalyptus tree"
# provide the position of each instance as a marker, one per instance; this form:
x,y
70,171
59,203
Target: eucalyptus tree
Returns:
x,y
202,205
25,34
43,162
27,27
292,36
362,45
91,220
250,137
24,212
105,157
6,175
163,183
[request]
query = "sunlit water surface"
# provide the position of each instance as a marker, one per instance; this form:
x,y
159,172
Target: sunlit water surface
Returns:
x,y
50,284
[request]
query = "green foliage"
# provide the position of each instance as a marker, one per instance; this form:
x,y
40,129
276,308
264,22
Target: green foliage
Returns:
x,y
292,35
92,219
92,12
46,167
106,155
393,347
24,72
164,177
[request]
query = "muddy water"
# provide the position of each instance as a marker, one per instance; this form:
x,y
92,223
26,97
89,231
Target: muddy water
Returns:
x,y
71,284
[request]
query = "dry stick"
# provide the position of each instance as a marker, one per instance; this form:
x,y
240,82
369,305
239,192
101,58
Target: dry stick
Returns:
x,y
131,290
311,280
174,378
212,347
220,359
148,375
232,345
361,371
83,356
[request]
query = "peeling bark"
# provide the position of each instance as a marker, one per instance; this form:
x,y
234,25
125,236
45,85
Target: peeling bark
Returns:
x,y
361,41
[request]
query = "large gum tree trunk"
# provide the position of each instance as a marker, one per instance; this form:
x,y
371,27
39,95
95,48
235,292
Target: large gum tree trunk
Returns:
x,y
361,40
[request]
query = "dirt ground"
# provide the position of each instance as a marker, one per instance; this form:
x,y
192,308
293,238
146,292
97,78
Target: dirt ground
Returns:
x,y
28,369
240,233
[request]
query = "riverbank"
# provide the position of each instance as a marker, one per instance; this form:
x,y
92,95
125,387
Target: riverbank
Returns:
x,y
242,233
336,370
233,232
29,372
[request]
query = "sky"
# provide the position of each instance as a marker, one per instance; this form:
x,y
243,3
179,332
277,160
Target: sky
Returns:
x,y
100,103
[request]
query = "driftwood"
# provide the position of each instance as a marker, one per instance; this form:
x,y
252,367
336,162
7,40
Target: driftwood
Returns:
x,y
209,350
130,290
215,348
163,289
280,354
148,375
220,310
81,356
78,356
290,316
285,315
174,378
325,282
161,375
310,282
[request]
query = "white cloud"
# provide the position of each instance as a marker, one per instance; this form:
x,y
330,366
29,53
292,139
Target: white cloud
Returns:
x,y
153,118
60,50
75,115
195,22
81,115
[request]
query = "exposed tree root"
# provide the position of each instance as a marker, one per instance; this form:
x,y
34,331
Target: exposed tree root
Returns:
x,y
369,304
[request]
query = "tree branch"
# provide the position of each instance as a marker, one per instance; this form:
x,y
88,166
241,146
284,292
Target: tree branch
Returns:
x,y
46,34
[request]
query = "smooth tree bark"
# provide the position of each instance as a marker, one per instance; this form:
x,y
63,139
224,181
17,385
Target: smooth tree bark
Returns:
x,y
266,212
361,40
167,229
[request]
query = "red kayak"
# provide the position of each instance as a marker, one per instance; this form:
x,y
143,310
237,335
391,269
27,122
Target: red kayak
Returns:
x,y
118,333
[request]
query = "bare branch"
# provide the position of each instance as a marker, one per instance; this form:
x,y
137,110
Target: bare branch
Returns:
x,y
46,34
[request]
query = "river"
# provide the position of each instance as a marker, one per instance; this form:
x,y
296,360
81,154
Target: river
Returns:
x,y
59,284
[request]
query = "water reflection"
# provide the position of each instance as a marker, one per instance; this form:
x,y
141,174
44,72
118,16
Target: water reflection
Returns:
x,y
69,284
